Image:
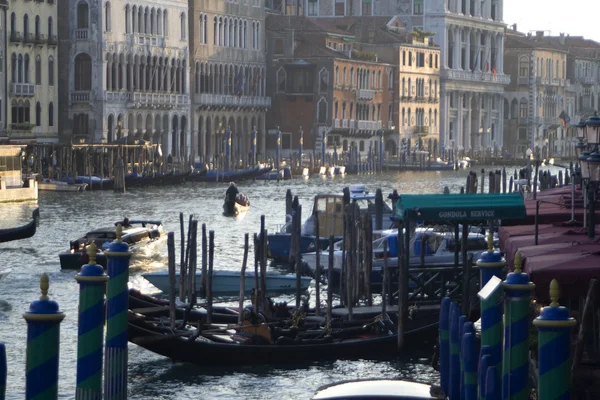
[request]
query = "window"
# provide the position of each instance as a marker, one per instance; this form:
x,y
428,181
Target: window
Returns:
x,y
300,80
340,7
20,111
51,114
418,7
281,80
410,58
420,59
403,57
26,69
82,15
50,71
50,28
37,27
13,22
523,109
25,26
322,111
313,8
182,24
436,61
278,46
367,7
83,72
38,70
323,80
523,66
107,16
38,114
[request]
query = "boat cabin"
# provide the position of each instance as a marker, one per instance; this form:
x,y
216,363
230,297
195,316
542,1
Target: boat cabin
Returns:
x,y
379,389
102,237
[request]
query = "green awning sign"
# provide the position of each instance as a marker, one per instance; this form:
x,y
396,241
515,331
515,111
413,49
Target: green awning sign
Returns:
x,y
460,207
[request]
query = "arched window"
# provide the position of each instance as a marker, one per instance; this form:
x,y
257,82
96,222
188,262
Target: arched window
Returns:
x,y
523,66
20,68
13,23
26,69
50,71
323,80
13,67
107,17
51,114
182,23
205,28
322,111
201,28
25,26
37,27
50,28
215,31
281,80
38,70
83,72
166,23
258,36
38,114
82,15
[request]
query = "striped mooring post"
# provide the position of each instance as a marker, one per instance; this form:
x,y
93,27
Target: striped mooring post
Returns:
x,y
470,356
491,264
115,366
43,338
515,363
454,377
484,363
554,344
444,343
3,371
92,285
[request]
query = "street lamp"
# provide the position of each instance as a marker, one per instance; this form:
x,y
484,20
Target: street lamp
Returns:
x,y
592,168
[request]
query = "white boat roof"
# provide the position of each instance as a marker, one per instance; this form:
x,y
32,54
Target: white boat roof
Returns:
x,y
370,389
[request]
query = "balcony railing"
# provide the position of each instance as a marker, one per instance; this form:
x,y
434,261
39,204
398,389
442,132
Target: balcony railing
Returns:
x,y
523,80
231,100
365,94
421,129
344,123
159,99
336,123
142,38
22,89
368,125
475,76
81,34
542,81
80,96
40,39
29,38
52,40
16,37
588,80
555,82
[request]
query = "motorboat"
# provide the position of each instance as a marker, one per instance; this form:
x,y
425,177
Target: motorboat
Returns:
x,y
227,282
142,236
363,389
240,205
52,185
330,209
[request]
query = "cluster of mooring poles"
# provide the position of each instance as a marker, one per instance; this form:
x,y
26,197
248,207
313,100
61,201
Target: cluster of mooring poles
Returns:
x,y
496,366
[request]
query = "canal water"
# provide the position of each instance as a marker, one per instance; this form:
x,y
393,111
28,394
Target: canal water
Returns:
x,y
66,216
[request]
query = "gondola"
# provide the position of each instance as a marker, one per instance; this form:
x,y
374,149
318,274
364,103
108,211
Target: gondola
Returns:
x,y
272,343
233,175
240,205
21,232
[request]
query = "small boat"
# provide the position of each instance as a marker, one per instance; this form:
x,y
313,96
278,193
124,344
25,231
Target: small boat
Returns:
x,y
21,232
52,185
227,282
364,389
140,235
237,207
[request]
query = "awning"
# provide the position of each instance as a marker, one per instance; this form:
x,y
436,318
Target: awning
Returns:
x,y
460,207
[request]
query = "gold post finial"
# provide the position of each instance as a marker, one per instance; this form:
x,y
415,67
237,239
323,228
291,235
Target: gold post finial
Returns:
x,y
491,242
91,249
554,292
119,232
518,262
44,285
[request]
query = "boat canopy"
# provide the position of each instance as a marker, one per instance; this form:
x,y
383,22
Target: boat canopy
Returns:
x,y
460,207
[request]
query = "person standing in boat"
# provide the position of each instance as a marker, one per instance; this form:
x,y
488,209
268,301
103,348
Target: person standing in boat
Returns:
x,y
232,192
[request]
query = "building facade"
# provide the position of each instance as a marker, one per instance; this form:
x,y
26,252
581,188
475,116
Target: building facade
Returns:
x,y
31,105
3,68
228,77
126,72
322,80
537,98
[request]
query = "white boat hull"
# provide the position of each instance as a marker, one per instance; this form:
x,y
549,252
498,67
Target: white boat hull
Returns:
x,y
228,282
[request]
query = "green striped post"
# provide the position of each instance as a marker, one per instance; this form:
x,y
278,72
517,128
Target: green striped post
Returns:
x,y
515,363
92,285
115,367
43,338
470,355
554,356
445,343
462,320
454,382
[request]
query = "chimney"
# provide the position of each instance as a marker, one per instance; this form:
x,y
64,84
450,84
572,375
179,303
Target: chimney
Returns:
x,y
561,38
539,34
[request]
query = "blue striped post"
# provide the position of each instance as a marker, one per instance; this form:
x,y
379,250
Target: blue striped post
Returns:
x,y
43,338
515,365
3,371
470,354
491,263
454,383
492,388
554,344
92,285
115,368
461,323
445,343
484,364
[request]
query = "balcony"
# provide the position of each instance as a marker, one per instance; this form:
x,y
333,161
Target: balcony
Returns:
x,y
152,40
40,39
80,96
29,38
16,37
547,121
141,99
588,80
541,81
368,125
231,100
336,123
22,89
421,130
52,40
523,80
461,75
365,94
345,123
555,82
81,34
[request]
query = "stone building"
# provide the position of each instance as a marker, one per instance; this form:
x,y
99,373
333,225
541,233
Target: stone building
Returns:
x,y
228,77
125,72
537,98
31,106
321,79
3,67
